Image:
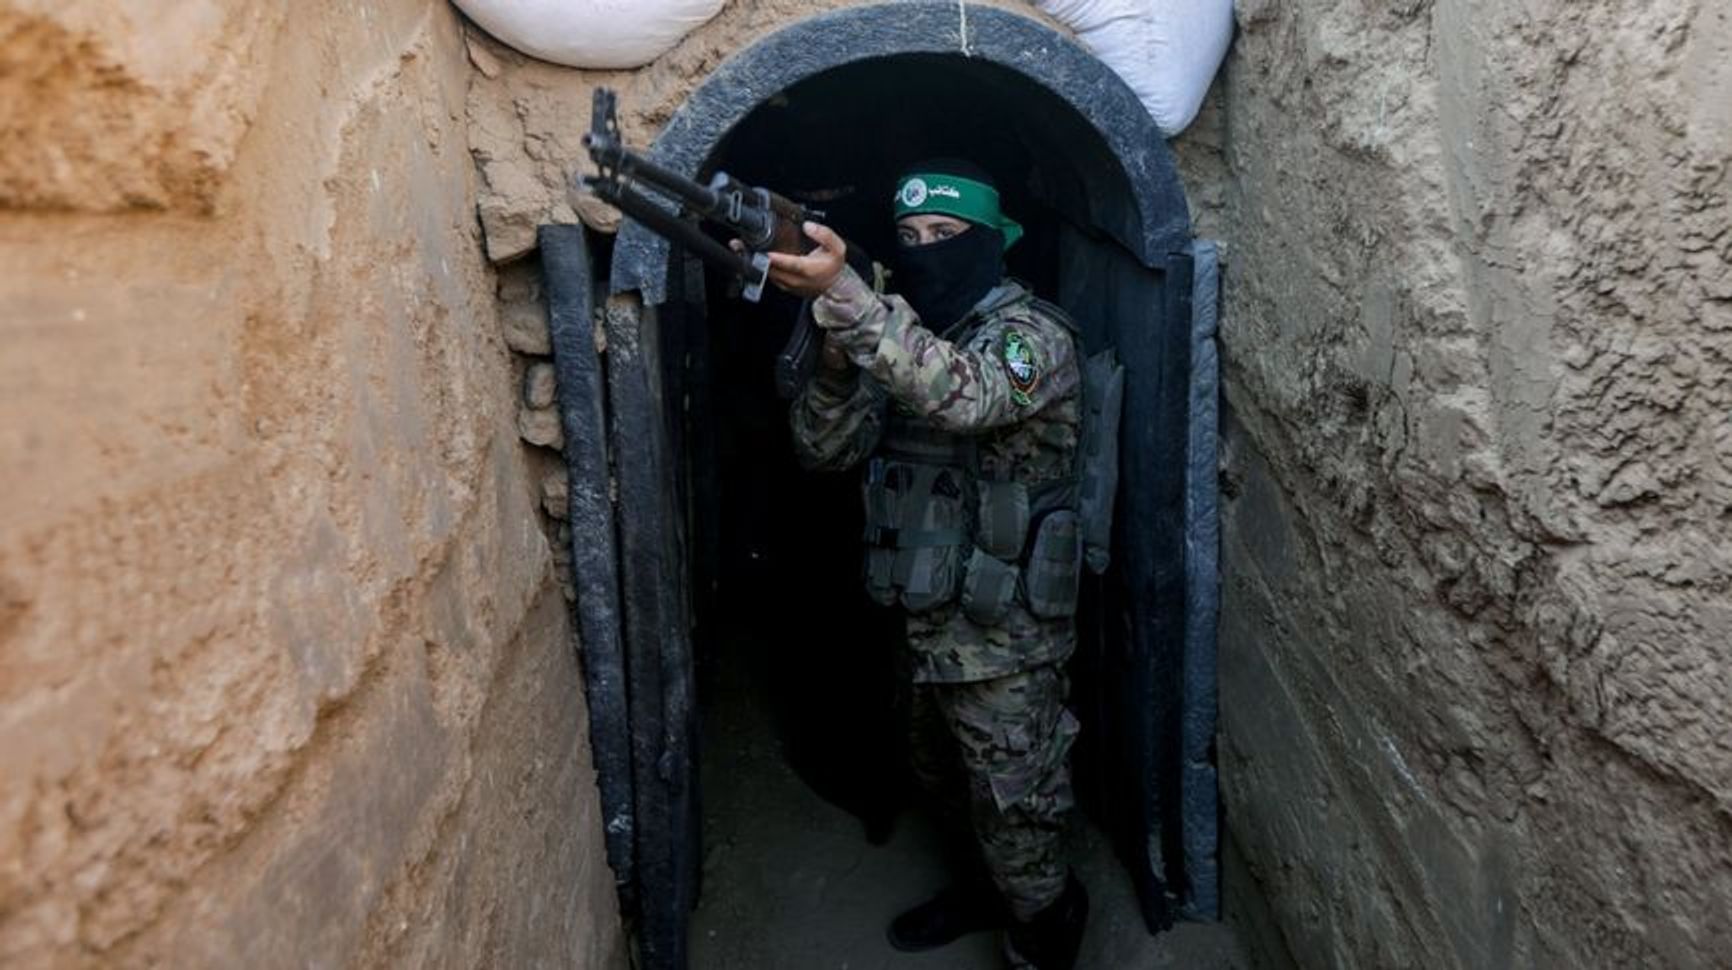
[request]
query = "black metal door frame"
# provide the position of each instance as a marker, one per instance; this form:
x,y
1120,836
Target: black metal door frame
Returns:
x,y
629,556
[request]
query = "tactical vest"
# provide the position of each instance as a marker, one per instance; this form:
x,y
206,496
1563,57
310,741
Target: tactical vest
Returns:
x,y
938,530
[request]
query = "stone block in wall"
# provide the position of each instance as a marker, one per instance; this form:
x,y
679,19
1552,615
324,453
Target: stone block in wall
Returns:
x,y
509,225
525,328
519,282
563,567
539,386
596,214
540,426
556,497
567,577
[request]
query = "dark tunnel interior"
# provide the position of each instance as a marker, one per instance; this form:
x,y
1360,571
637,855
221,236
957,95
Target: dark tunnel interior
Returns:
x,y
776,554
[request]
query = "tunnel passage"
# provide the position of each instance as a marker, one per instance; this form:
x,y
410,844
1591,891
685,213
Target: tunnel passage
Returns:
x,y
716,526
776,550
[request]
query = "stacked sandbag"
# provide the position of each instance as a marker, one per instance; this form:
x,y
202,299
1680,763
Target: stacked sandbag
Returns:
x,y
613,34
1167,51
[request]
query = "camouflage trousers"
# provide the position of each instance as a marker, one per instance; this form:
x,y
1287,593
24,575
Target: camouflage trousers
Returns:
x,y
995,755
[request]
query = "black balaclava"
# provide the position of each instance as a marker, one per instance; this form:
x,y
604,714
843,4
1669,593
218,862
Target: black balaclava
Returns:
x,y
942,281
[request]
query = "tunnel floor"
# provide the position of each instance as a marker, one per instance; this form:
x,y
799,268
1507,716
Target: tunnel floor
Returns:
x,y
790,882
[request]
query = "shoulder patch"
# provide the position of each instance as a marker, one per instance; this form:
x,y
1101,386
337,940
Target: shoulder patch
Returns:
x,y
1021,366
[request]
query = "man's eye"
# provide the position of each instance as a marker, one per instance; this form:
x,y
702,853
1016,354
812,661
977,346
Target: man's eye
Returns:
x,y
944,232
907,238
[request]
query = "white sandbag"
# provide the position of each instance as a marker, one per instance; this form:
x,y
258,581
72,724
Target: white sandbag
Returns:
x,y
591,33
1166,50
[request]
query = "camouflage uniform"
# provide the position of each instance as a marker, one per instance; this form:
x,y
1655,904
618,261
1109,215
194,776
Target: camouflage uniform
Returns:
x,y
989,696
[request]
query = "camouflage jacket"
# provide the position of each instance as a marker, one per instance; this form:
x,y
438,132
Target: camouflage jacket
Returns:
x,y
1010,380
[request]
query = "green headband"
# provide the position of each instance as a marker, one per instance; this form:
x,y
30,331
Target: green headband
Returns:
x,y
953,195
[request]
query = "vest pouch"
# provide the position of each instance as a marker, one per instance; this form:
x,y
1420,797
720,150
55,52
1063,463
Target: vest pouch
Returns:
x,y
882,489
880,564
1054,570
929,577
932,526
988,588
1001,519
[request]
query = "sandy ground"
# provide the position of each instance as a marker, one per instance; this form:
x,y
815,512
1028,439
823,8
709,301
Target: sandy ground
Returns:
x,y
790,882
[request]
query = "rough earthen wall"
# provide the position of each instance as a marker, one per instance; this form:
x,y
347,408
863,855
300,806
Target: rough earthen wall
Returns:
x,y
1477,639
285,677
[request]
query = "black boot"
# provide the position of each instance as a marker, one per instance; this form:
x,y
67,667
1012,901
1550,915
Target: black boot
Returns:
x,y
1051,939
952,914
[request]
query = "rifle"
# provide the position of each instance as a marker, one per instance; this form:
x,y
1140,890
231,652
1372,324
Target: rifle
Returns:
x,y
764,221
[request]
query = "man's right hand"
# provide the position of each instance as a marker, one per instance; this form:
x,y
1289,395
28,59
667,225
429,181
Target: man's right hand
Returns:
x,y
811,274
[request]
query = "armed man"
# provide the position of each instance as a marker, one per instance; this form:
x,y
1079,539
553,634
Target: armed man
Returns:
x,y
962,394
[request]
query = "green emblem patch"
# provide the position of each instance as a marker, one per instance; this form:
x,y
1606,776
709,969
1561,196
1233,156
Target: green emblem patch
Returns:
x,y
1019,364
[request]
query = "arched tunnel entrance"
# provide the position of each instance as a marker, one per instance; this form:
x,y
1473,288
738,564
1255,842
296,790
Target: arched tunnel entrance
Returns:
x,y
722,580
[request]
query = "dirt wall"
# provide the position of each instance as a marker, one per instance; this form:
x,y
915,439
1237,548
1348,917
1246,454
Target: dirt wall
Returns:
x,y
1475,659
285,676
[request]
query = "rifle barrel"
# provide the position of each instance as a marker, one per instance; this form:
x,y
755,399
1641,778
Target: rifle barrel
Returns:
x,y
609,153
663,223
621,164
